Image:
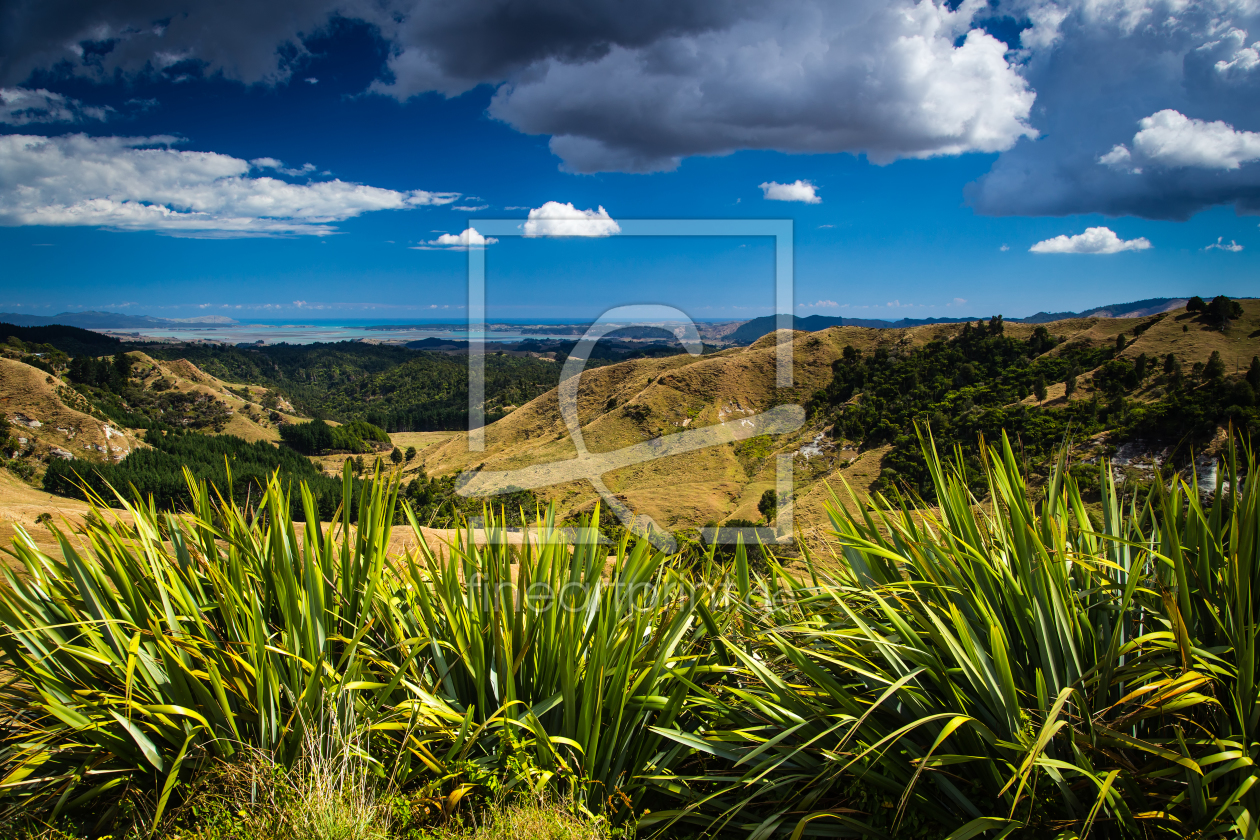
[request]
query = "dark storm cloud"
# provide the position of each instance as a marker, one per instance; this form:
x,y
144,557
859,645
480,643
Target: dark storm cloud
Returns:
x,y
1145,107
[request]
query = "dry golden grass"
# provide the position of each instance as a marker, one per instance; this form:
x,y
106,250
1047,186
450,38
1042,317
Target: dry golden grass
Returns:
x,y
630,402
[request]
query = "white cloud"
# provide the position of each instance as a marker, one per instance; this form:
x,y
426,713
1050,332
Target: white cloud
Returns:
x,y
1004,247
470,208
470,238
957,302
1120,158
556,219
795,191
1162,93
1221,245
1170,138
1095,240
820,304
139,183
272,163
888,78
20,106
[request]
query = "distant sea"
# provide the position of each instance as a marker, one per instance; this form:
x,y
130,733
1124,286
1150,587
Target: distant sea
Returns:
x,y
310,331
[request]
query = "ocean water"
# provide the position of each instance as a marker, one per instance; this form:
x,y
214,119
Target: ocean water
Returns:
x,y
310,333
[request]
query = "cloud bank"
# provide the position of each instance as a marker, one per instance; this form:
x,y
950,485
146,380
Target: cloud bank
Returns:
x,y
140,183
617,86
1142,107
1146,108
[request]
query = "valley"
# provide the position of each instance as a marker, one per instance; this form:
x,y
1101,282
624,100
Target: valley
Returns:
x,y
863,390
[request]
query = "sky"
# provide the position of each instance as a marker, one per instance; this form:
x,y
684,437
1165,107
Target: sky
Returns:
x,y
322,160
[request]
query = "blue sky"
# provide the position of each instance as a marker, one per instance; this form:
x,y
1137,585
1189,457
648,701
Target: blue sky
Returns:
x,y
947,235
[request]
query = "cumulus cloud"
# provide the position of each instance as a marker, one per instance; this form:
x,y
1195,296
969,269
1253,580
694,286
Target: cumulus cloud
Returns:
x,y
618,86
1146,108
1221,245
140,183
795,191
1095,240
888,79
556,219
20,106
1169,138
639,87
470,238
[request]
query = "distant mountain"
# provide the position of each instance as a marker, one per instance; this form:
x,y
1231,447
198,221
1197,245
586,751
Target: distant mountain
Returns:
x,y
73,341
1136,309
752,330
91,320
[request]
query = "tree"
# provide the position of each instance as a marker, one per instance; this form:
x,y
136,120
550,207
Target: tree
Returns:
x,y
1195,304
769,505
122,368
1140,364
995,325
1215,367
1039,389
1170,363
358,465
1221,311
1120,343
1069,385
410,454
1253,374
396,456
270,400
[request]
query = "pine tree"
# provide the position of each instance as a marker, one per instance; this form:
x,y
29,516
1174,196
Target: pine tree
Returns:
x,y
1215,367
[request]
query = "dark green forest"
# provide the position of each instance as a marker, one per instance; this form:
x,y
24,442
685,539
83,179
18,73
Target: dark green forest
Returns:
x,y
106,383
970,386
395,388
72,341
158,472
317,437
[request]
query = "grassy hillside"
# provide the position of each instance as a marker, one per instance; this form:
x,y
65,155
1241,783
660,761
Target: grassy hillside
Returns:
x,y
398,389
630,402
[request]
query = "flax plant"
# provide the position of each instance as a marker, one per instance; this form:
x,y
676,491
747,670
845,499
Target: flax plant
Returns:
x,y
999,666
146,649
558,641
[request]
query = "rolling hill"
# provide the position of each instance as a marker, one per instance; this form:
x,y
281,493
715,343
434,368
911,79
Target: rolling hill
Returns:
x,y
632,402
